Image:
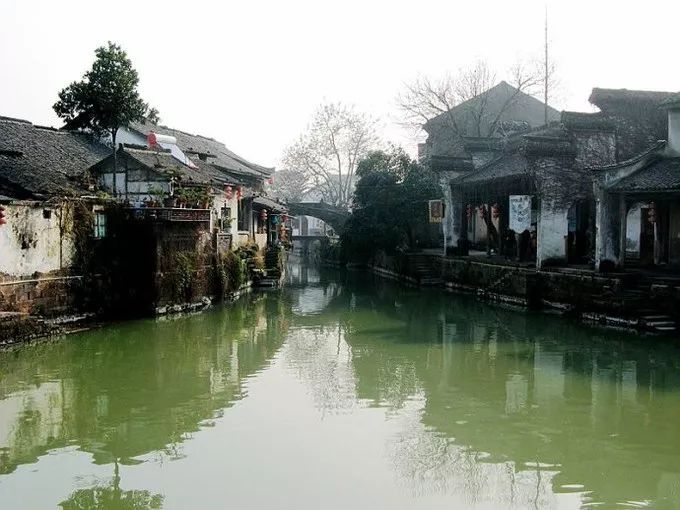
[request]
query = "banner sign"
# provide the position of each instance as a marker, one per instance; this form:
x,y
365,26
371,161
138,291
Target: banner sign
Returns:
x,y
520,213
436,208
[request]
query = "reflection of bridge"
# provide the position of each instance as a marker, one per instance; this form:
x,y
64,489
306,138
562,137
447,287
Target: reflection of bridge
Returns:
x,y
333,216
304,243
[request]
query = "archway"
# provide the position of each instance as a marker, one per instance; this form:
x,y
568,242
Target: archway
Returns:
x,y
580,237
639,235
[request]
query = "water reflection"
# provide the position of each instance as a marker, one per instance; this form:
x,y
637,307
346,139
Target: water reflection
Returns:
x,y
134,388
476,406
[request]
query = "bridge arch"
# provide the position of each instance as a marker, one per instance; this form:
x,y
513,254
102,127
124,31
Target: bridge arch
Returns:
x,y
333,216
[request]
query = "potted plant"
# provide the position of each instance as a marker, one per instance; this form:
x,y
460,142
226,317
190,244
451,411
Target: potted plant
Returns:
x,y
157,195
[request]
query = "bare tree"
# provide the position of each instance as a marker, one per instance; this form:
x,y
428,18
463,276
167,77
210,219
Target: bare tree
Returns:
x,y
328,152
461,100
291,185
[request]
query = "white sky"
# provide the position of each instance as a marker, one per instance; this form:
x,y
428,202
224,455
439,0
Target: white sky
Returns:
x,y
250,73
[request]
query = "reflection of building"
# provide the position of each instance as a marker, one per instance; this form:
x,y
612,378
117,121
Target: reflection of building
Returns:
x,y
309,226
166,387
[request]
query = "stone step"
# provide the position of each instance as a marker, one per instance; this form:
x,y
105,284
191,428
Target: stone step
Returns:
x,y
665,329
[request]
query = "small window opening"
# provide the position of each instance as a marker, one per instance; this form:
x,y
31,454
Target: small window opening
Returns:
x,y
47,214
99,225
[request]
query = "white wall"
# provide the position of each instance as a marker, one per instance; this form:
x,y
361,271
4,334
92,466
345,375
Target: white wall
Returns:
x,y
674,131
219,201
30,243
552,229
633,228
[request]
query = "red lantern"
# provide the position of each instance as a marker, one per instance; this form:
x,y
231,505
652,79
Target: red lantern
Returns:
x,y
263,215
229,191
495,211
239,192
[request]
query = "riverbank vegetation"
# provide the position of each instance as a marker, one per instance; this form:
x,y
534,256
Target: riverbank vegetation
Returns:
x,y
390,207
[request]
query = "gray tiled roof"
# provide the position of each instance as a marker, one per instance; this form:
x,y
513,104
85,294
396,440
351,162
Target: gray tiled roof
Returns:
x,y
44,161
662,174
653,96
223,157
164,163
522,107
507,165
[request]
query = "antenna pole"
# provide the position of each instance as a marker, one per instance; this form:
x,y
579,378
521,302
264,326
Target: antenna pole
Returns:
x,y
545,77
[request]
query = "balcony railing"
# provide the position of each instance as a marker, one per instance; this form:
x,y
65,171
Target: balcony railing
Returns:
x,y
170,214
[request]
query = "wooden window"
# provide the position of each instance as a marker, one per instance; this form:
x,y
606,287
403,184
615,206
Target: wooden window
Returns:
x,y
99,225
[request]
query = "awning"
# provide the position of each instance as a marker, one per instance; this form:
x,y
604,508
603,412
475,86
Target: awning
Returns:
x,y
269,204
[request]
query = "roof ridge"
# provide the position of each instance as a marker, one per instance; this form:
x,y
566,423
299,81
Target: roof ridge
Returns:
x,y
4,118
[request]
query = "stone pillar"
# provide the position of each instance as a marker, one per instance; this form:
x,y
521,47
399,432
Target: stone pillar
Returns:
x,y
453,206
551,235
623,227
607,228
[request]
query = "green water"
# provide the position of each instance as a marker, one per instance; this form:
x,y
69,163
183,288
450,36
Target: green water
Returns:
x,y
342,392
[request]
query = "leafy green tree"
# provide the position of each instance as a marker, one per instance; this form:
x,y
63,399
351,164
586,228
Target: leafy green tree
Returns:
x,y
390,205
106,98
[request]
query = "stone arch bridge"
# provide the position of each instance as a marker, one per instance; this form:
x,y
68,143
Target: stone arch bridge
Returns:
x,y
333,216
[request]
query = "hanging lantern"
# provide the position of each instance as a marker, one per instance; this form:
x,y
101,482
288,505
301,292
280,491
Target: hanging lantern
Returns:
x,y
284,218
263,215
239,192
495,211
651,213
482,212
468,211
229,191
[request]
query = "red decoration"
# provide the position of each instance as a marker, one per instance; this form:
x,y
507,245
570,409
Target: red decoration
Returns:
x,y
263,215
151,140
229,191
239,192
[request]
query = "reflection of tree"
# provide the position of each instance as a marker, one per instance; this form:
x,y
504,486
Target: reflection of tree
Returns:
x,y
134,388
112,498
324,361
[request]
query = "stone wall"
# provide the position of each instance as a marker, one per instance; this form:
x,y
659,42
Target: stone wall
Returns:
x,y
46,294
37,238
496,282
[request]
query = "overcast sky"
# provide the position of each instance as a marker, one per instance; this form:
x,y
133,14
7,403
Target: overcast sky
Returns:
x,y
250,73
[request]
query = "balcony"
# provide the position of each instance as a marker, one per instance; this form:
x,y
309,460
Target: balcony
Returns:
x,y
173,214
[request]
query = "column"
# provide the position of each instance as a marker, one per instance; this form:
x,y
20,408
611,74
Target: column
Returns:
x,y
552,229
453,210
623,227
607,245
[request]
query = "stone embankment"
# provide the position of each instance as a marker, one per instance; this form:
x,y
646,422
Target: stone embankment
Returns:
x,y
625,299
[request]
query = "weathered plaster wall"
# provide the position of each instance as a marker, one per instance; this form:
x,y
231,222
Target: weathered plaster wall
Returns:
x,y
638,126
34,240
607,225
594,148
552,230
219,201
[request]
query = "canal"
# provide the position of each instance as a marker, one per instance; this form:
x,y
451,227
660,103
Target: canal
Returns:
x,y
342,391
